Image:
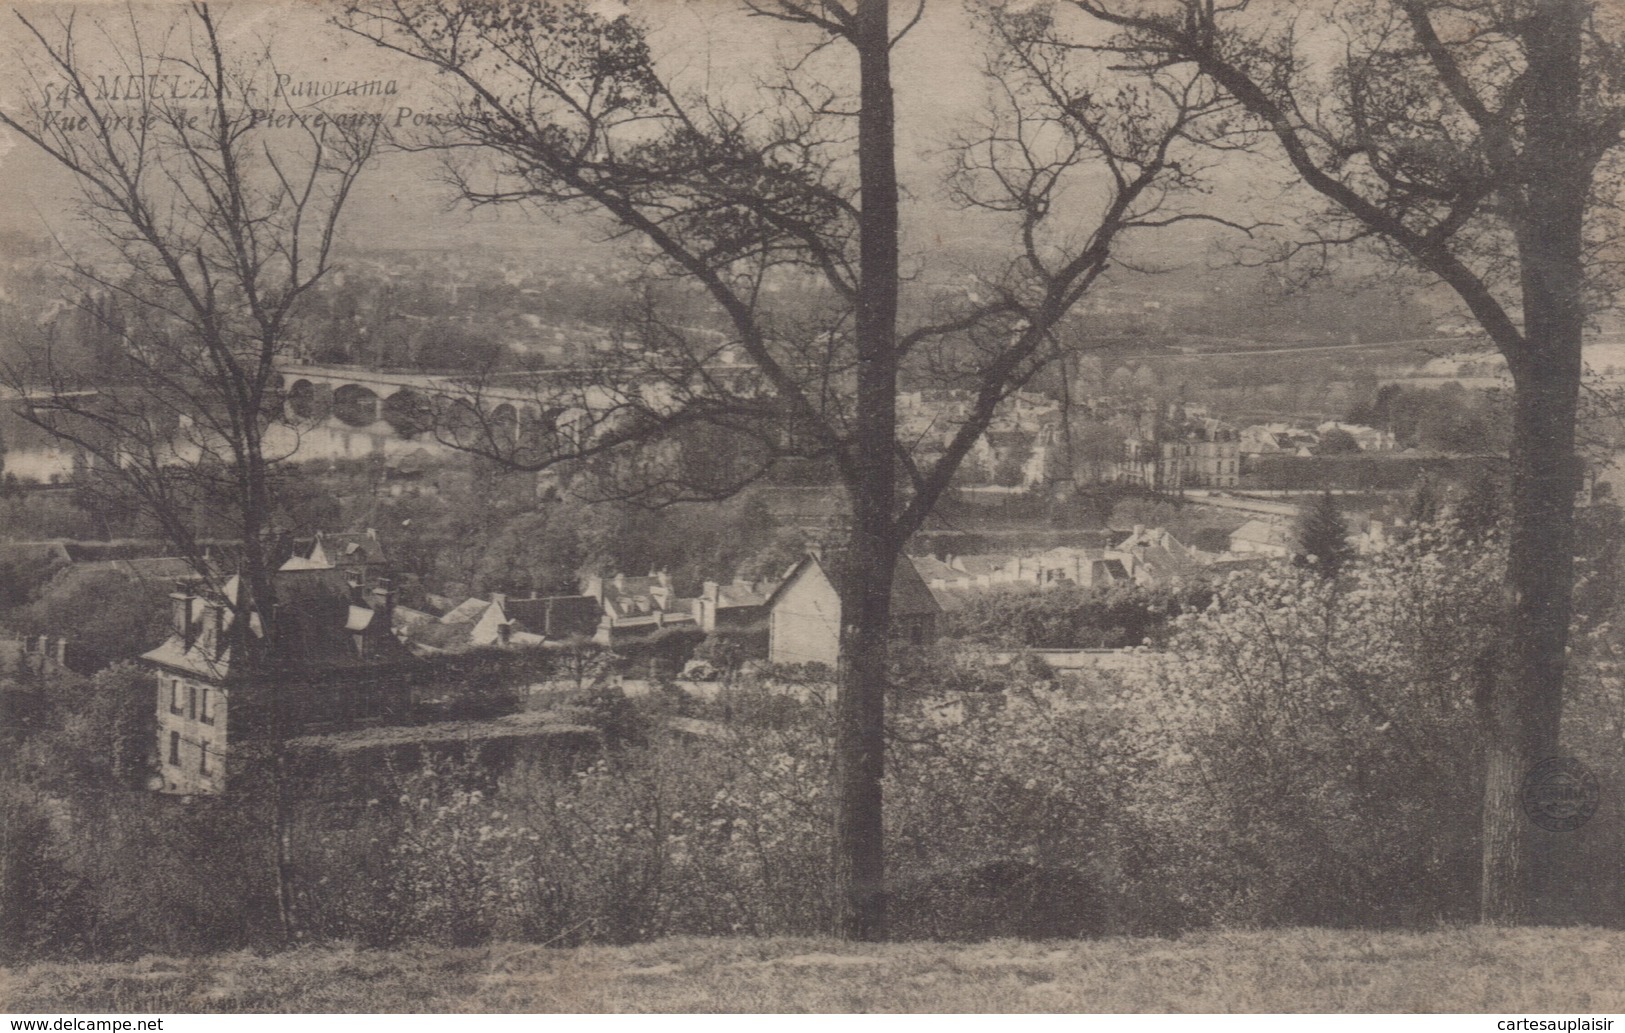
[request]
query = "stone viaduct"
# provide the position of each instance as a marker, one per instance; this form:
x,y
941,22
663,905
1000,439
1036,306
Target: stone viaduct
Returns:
x,y
362,397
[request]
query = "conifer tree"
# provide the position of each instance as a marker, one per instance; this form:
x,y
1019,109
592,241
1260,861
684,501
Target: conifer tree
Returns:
x,y
1323,536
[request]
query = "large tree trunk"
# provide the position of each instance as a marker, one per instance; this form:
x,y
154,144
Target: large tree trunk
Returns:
x,y
1527,701
866,571
860,743
1526,704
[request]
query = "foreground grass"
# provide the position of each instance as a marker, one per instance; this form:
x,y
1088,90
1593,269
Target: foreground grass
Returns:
x,y
1459,970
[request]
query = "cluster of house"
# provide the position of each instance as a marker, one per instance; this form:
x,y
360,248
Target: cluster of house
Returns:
x,y
1145,556
334,661
1021,447
33,654
1268,439
1166,447
348,654
1178,449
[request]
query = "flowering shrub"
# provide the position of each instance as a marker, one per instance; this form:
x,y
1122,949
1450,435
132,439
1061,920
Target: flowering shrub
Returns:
x,y
1304,751
461,869
675,837
1019,790
1317,743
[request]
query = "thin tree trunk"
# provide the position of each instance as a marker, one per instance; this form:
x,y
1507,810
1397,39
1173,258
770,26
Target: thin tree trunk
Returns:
x,y
283,831
859,867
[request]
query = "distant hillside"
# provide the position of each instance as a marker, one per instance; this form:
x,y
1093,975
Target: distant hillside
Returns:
x,y
1569,971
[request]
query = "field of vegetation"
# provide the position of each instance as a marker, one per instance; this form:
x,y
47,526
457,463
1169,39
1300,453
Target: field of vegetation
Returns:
x,y
1470,969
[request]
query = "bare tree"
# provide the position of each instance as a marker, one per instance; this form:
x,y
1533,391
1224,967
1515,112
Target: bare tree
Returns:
x,y
780,205
206,229
1477,142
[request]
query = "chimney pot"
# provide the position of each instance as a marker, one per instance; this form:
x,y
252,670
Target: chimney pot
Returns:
x,y
181,604
218,630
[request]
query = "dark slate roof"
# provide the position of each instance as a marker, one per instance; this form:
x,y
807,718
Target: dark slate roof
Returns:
x,y
556,617
977,566
438,635
1210,539
1112,570
744,594
930,567
350,547
314,621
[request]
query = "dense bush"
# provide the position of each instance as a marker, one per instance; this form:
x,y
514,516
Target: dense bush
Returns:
x,y
1318,750
45,914
1304,751
106,614
1000,818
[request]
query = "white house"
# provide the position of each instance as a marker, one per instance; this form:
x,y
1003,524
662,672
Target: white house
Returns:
x,y
804,613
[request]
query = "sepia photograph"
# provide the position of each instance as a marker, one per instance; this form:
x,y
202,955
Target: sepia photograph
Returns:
x,y
812,506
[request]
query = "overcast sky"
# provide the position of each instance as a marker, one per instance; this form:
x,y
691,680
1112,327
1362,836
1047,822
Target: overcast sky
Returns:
x,y
400,203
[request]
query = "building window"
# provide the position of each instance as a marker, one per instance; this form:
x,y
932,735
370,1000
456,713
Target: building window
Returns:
x,y
191,701
175,748
203,758
203,707
174,695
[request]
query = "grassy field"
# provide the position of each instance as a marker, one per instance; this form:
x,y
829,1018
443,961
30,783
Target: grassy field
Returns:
x,y
1461,970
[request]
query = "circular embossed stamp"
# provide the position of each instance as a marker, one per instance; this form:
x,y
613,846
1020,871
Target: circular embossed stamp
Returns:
x,y
1560,794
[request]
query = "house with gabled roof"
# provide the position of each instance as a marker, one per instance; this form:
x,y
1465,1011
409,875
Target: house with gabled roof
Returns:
x,y
987,569
349,549
332,662
939,575
804,612
558,619
736,606
501,622
1260,537
638,608
1154,556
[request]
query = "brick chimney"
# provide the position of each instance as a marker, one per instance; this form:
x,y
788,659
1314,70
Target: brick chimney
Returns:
x,y
182,609
217,629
